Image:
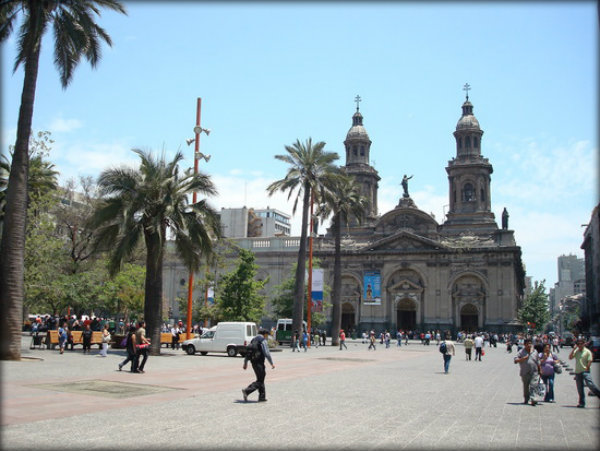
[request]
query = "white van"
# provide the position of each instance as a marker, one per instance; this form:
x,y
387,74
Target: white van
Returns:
x,y
229,337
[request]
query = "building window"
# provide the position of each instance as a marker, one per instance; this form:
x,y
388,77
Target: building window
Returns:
x,y
468,193
482,195
460,143
362,151
468,141
475,142
354,151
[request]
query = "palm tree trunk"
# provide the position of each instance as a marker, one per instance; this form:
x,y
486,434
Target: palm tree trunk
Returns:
x,y
336,315
298,308
12,248
153,292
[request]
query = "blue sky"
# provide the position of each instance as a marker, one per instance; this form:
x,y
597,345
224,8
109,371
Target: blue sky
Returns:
x,y
270,73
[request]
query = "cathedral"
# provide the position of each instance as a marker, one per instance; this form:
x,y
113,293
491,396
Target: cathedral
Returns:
x,y
403,270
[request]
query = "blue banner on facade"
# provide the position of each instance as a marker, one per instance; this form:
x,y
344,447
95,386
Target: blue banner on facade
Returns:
x,y
372,288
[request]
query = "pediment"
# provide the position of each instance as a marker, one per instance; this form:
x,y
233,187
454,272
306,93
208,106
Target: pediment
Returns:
x,y
406,285
408,219
405,241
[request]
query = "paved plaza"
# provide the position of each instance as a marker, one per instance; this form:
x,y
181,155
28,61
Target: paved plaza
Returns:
x,y
396,398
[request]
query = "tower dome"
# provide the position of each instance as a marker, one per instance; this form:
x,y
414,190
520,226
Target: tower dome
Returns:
x,y
467,121
357,131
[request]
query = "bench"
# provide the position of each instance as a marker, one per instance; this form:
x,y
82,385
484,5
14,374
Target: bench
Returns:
x,y
166,338
52,338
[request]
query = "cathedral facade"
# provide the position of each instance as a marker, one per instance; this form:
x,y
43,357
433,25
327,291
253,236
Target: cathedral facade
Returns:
x,y
403,270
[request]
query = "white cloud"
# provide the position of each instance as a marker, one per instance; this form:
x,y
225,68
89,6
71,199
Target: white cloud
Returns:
x,y
547,172
60,125
89,159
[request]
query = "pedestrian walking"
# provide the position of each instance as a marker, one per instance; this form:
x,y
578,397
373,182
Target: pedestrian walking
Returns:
x,y
583,361
343,339
105,341
371,341
555,347
547,362
447,349
468,344
142,343
131,354
399,338
63,334
479,347
295,341
529,363
259,352
305,340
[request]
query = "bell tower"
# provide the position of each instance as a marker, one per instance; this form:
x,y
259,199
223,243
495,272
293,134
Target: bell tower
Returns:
x,y
469,177
358,149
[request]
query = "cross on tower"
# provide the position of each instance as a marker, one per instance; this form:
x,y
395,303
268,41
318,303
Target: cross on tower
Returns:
x,y
357,99
467,88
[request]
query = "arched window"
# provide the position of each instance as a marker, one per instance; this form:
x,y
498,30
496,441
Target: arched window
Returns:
x,y
482,196
468,194
468,141
354,151
460,143
362,151
475,142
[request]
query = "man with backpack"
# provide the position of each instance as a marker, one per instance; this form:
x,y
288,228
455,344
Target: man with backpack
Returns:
x,y
256,352
447,349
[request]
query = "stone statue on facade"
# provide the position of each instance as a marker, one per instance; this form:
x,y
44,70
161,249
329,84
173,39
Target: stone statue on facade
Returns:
x,y
404,183
504,219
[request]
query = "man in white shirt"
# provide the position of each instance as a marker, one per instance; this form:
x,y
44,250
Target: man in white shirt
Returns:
x,y
478,347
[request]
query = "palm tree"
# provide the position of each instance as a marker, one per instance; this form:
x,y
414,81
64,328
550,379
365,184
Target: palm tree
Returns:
x,y
75,35
309,169
344,200
148,203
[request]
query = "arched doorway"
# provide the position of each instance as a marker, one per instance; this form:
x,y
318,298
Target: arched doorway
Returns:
x,y
468,318
406,314
348,320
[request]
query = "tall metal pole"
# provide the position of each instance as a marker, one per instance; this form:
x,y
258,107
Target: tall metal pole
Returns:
x,y
197,130
310,254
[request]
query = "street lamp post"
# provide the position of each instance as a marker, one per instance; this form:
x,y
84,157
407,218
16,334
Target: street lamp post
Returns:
x,y
197,155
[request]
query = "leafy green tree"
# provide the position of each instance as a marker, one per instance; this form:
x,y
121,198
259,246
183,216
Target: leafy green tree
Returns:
x,y
44,260
309,168
76,35
283,299
146,203
535,312
42,182
124,294
239,298
344,200
282,302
